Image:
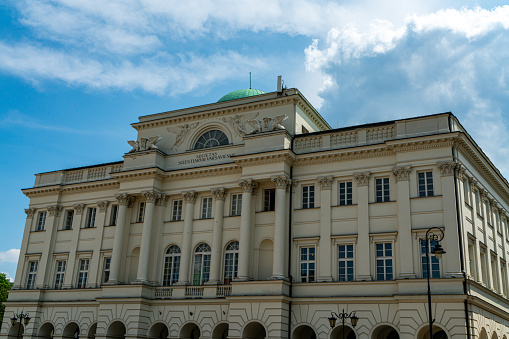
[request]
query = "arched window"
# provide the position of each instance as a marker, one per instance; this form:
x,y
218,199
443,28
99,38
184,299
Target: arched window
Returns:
x,y
201,265
211,138
171,265
231,262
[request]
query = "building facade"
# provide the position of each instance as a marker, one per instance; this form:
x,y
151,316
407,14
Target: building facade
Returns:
x,y
252,218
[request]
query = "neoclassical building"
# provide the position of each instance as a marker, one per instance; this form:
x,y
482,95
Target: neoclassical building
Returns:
x,y
252,218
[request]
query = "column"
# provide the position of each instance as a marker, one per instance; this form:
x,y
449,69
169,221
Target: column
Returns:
x,y
124,201
477,234
43,274
363,249
187,237
402,175
217,236
248,186
30,212
450,242
157,248
94,276
325,268
146,235
76,227
278,268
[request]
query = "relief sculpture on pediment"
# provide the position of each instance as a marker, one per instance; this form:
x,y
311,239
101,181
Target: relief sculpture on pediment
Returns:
x,y
181,131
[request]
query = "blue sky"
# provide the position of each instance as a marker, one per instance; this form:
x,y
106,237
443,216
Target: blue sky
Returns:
x,y
75,73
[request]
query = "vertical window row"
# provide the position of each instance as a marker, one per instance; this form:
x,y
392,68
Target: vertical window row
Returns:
x,y
106,270
32,274
269,199
171,265
114,215
231,262
141,212
434,269
41,221
201,265
69,216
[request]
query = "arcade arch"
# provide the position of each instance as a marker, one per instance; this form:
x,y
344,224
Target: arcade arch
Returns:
x,y
254,330
158,331
116,330
46,331
337,332
304,332
220,331
190,331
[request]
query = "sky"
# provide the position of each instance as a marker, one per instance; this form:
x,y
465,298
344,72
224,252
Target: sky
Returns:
x,y
74,74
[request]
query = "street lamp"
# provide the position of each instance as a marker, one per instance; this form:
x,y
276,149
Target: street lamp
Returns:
x,y
353,318
434,234
20,316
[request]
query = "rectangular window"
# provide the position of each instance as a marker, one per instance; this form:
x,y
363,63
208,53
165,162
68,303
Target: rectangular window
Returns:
x,y
345,193
484,266
106,270
141,212
236,204
307,264
269,199
308,196
206,208
59,277
384,261
176,211
503,273
434,269
32,274
382,189
41,221
494,273
466,191
345,262
425,180
69,216
90,222
114,215
83,273
472,260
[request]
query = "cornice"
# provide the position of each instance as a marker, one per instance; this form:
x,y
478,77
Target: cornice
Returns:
x,y
221,112
151,173
434,141
40,191
203,171
265,158
84,186
313,116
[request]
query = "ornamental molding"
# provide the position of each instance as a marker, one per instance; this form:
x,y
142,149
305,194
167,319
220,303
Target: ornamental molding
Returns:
x,y
316,118
150,196
190,197
181,133
144,144
462,173
30,212
41,191
163,199
503,217
434,141
343,155
281,181
188,117
200,172
103,205
402,173
248,185
286,156
447,168
125,199
362,178
325,182
475,186
219,193
238,122
153,173
79,208
55,210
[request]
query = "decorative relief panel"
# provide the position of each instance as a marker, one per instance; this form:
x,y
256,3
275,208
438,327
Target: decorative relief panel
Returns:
x,y
343,139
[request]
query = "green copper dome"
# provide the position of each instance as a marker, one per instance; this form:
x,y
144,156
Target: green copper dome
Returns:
x,y
241,93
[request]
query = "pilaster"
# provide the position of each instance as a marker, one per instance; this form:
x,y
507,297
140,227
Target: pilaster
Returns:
x,y
76,228
146,235
100,220
187,251
43,274
325,262
219,195
30,212
363,249
278,269
246,222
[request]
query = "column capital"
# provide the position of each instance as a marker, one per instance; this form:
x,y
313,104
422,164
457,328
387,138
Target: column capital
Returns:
x,y
163,199
503,216
219,193
54,210
103,205
475,185
325,182
281,181
248,185
125,199
362,178
150,196
30,212
79,208
189,197
447,168
462,173
402,173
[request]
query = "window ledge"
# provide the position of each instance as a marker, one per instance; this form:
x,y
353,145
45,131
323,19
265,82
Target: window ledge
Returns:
x,y
428,196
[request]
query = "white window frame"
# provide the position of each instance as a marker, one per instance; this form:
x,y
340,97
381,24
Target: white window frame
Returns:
x,y
201,264
467,192
69,217
83,267
503,274
346,260
236,205
425,186
171,268
484,276
494,272
384,258
32,274
91,214
114,215
60,273
307,264
41,221
472,259
435,262
206,208
106,269
231,262
345,198
176,209
140,216
269,199
380,187
308,196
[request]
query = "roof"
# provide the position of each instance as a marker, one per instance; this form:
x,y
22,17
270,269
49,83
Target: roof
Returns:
x,y
241,93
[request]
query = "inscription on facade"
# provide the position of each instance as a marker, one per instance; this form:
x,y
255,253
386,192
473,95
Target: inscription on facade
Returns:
x,y
206,157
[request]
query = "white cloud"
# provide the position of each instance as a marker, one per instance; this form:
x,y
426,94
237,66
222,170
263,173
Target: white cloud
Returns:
x,y
9,256
8,276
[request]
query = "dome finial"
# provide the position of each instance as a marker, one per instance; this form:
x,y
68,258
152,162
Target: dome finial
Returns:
x,y
249,80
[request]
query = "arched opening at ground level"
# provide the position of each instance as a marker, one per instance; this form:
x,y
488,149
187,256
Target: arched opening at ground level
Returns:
x,y
343,332
71,331
385,332
220,331
91,331
254,330
16,331
190,331
303,332
46,331
158,331
116,330
438,333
